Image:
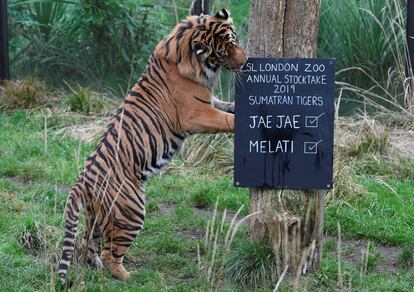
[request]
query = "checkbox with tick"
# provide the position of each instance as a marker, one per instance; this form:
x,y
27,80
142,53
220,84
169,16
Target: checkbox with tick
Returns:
x,y
312,121
311,147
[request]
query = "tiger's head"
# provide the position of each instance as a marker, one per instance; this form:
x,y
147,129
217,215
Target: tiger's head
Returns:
x,y
200,45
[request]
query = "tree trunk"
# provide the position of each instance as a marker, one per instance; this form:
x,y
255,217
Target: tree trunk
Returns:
x,y
291,221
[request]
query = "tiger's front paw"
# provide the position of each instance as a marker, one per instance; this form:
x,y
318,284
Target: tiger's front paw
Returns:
x,y
223,106
227,107
230,108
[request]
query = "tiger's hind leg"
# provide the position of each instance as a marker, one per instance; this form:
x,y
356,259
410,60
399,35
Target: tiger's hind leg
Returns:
x,y
115,247
123,218
92,241
117,242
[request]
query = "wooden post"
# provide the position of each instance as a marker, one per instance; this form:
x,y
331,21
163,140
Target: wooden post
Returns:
x,y
4,42
292,222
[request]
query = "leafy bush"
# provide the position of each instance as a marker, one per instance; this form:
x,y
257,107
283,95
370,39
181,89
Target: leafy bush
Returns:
x,y
85,40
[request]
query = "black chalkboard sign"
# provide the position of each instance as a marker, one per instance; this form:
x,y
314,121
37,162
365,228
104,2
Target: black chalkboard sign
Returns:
x,y
284,124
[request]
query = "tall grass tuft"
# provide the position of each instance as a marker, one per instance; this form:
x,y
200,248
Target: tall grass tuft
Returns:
x,y
212,152
218,239
372,138
369,259
406,256
84,100
22,94
367,38
253,265
357,34
35,238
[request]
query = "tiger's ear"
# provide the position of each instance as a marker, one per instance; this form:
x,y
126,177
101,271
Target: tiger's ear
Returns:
x,y
201,50
222,14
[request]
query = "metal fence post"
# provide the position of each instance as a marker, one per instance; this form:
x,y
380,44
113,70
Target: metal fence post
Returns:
x,y
410,37
4,42
200,6
410,54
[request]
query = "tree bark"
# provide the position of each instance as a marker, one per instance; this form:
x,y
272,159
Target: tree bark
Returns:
x,y
291,221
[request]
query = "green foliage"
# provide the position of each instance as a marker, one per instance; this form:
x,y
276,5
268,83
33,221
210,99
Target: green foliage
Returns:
x,y
100,42
85,40
329,245
367,38
392,167
118,32
107,43
327,274
326,278
34,237
41,16
357,34
203,198
31,158
176,188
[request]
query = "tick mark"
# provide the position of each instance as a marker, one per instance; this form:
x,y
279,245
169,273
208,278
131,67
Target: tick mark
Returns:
x,y
311,147
312,121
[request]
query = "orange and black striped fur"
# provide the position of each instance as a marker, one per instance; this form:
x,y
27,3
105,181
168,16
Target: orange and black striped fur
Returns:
x,y
172,99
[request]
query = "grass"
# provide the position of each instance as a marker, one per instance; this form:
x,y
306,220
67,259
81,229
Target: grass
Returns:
x,y
407,256
34,157
385,215
39,163
326,278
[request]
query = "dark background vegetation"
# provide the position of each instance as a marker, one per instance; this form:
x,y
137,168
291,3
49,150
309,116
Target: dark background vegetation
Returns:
x,y
105,44
98,43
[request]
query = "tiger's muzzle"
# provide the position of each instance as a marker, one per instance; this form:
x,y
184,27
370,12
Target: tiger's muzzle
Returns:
x,y
237,58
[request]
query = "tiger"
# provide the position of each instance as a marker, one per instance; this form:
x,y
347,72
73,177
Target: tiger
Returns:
x,y
171,100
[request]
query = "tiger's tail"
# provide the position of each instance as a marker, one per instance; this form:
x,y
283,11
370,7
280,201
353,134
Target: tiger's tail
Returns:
x,y
73,208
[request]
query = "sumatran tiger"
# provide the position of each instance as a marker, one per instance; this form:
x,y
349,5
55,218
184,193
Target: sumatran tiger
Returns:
x,y
172,100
